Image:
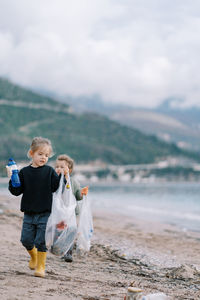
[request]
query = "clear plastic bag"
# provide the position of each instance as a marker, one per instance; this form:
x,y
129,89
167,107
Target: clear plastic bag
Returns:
x,y
85,228
156,296
61,226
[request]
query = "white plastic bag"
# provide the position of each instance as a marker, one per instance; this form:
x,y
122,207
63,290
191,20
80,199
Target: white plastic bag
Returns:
x,y
85,227
156,296
61,226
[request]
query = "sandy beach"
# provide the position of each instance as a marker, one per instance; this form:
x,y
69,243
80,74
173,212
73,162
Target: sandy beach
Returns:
x,y
155,257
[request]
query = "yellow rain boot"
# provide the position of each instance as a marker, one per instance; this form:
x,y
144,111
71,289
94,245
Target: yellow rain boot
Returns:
x,y
41,259
33,260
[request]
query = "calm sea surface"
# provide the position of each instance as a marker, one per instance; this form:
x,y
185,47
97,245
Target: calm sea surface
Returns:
x,y
172,203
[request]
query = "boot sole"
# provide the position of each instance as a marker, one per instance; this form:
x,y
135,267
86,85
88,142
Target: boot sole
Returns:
x,y
37,274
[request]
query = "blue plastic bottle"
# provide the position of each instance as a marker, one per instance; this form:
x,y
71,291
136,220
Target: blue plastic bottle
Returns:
x,y
14,177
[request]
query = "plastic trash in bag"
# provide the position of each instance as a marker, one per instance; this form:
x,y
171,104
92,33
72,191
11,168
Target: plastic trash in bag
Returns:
x,y
85,228
61,226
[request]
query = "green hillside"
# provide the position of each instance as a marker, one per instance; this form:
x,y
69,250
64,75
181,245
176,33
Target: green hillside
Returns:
x,y
86,137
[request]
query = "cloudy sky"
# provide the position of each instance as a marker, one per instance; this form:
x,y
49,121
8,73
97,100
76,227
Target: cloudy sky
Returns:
x,y
139,52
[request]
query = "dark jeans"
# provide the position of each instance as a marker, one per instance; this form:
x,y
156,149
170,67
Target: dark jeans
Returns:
x,y
33,231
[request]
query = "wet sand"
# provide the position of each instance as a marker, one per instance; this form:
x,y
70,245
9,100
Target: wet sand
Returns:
x,y
155,257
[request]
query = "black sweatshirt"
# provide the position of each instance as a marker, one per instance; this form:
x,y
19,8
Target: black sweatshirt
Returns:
x,y
37,186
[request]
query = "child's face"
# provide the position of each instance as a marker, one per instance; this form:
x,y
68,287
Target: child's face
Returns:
x,y
61,167
40,156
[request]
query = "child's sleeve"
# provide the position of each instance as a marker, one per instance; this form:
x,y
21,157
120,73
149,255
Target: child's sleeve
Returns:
x,y
55,180
16,191
78,195
77,190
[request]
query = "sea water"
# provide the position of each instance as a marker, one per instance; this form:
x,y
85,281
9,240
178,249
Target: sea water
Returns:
x,y
172,203
4,188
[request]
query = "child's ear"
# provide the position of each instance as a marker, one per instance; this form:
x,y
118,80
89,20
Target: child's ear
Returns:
x,y
30,153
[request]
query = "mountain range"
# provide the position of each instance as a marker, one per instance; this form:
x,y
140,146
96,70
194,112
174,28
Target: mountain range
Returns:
x,y
172,124
85,136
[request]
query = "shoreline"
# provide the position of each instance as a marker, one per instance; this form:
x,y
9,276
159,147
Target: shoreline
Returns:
x,y
121,214
135,237
105,182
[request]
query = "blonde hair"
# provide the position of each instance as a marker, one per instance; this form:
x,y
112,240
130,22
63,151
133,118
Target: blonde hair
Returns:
x,y
68,159
38,142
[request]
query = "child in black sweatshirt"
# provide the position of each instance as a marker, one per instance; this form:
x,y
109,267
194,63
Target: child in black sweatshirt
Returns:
x,y
38,182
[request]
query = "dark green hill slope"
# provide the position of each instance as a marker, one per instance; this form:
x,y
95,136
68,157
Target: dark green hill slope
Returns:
x,y
86,137
13,92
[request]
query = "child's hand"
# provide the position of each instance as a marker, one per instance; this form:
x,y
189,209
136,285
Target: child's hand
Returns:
x,y
84,191
9,172
66,171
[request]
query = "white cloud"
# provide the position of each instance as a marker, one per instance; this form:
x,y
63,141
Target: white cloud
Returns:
x,y
137,51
